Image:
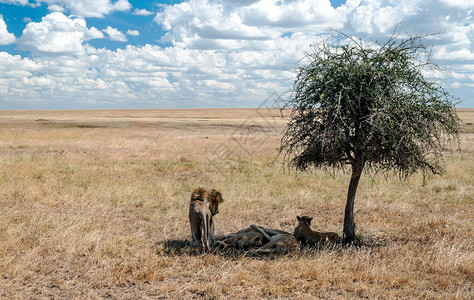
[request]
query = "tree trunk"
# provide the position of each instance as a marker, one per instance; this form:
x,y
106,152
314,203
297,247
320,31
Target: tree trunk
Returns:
x,y
348,233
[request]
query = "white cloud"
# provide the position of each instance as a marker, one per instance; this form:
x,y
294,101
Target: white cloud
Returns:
x,y
60,80
463,4
141,12
458,75
57,34
443,53
6,38
220,24
96,8
204,24
145,76
87,8
133,32
301,14
17,2
93,33
81,8
222,52
115,35
380,17
55,7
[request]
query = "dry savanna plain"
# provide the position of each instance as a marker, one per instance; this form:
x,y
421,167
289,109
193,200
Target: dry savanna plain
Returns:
x,y
94,204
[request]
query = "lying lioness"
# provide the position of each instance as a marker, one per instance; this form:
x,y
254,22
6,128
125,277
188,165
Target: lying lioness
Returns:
x,y
242,240
278,243
306,236
266,240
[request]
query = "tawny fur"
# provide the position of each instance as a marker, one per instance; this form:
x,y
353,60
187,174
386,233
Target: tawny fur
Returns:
x,y
204,205
242,240
306,236
278,243
267,241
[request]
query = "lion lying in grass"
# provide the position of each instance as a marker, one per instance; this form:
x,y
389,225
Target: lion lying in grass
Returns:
x,y
244,239
261,240
277,244
306,236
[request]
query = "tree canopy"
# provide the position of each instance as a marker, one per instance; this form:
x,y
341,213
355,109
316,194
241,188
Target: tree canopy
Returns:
x,y
368,106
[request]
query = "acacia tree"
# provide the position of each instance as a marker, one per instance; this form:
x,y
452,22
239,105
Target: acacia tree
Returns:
x,y
368,107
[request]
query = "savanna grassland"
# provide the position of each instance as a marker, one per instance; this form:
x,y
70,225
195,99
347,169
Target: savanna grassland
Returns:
x,y
94,204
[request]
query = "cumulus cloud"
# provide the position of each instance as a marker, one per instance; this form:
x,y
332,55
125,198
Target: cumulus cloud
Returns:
x,y
6,38
115,35
221,52
141,12
81,8
464,4
101,76
378,18
205,24
133,32
220,24
145,76
57,34
301,14
18,2
55,7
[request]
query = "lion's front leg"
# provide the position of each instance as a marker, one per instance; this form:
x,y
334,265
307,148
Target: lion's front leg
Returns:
x,y
194,241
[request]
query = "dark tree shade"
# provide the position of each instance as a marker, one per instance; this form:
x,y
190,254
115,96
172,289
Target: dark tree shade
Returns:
x,y
368,106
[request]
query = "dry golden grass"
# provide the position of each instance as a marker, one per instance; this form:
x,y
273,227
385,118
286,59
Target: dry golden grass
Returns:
x,y
93,204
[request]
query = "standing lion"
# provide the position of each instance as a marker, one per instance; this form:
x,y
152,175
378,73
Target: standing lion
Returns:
x,y
204,205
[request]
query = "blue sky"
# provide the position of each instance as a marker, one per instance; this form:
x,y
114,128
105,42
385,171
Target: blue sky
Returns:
x,y
73,54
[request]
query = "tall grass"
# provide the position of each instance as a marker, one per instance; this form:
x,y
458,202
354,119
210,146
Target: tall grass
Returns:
x,y
93,204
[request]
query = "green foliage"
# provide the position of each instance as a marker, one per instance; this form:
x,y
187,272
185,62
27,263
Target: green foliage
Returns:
x,y
369,103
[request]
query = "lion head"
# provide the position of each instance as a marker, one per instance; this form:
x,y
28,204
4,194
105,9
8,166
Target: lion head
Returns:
x,y
304,219
211,196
